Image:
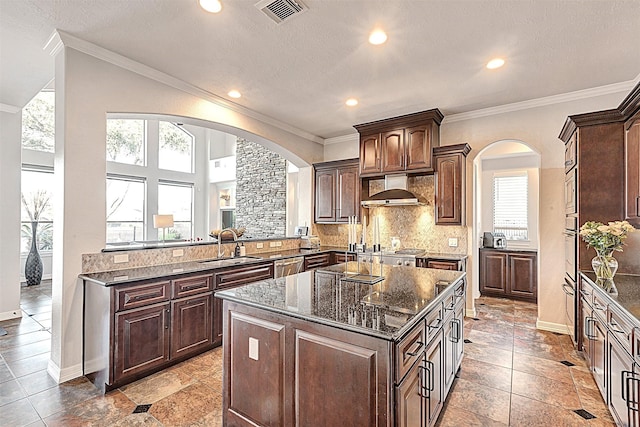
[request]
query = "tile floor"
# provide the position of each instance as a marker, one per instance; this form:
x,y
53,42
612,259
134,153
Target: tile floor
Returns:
x,y
511,375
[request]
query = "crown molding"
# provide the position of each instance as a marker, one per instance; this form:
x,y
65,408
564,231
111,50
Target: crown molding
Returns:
x,y
544,101
60,38
6,108
342,139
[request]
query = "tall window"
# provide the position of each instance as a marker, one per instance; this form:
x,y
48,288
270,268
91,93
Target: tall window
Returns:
x,y
177,199
37,190
176,148
38,123
510,206
125,209
125,141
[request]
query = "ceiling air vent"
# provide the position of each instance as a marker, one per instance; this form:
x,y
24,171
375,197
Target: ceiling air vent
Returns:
x,y
281,10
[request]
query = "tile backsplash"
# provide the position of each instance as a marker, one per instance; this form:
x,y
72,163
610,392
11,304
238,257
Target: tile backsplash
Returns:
x,y
104,261
413,225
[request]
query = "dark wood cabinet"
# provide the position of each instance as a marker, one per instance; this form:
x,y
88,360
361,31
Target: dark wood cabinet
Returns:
x,y
450,183
399,144
433,372
191,324
509,274
411,410
632,163
337,191
317,260
340,257
441,264
141,340
370,155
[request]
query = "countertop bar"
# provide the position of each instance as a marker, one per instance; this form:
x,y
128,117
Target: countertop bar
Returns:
x,y
628,286
320,296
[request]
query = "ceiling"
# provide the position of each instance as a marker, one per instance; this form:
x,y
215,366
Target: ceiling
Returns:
x,y
301,71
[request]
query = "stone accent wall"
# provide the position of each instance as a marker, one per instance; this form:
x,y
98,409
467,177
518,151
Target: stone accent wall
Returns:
x,y
261,190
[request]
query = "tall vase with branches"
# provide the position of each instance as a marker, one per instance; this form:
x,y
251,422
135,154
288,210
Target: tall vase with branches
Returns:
x,y
35,207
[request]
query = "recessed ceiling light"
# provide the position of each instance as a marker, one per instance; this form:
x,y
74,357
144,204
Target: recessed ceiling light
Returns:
x,y
213,6
377,37
351,102
495,63
234,94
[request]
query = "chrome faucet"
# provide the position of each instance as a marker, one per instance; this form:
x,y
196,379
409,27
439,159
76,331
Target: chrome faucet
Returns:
x,y
235,238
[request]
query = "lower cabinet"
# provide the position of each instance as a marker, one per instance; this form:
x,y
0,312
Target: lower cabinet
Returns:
x,y
434,393
624,380
142,340
441,264
317,260
192,323
509,274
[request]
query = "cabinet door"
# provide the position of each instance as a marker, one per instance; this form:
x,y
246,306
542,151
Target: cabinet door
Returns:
x,y
217,321
325,203
433,378
598,353
523,275
410,403
142,340
449,369
458,351
191,324
493,272
632,153
348,194
570,151
587,330
370,154
448,189
418,148
623,385
393,151
570,196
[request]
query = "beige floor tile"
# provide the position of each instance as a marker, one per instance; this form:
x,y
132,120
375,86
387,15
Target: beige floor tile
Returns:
x,y
188,406
157,386
545,390
542,367
485,401
529,412
484,353
98,411
486,374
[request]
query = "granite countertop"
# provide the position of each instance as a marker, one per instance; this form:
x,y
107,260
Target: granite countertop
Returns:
x,y
510,250
385,310
628,286
299,252
434,255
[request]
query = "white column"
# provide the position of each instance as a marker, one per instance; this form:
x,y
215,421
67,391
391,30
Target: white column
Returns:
x,y
79,205
10,166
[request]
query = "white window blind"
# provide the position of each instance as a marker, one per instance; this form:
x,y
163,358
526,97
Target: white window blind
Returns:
x,y
510,195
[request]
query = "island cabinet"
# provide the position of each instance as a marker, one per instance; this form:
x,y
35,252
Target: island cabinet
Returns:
x,y
333,360
509,274
134,329
337,191
399,144
450,183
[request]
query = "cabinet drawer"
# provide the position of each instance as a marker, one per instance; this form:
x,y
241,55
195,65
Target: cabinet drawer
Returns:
x,y
586,291
191,286
442,264
570,151
599,306
434,322
409,350
139,295
340,257
242,276
570,193
315,261
621,327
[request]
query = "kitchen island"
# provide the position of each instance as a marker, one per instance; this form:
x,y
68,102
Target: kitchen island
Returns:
x,y
318,348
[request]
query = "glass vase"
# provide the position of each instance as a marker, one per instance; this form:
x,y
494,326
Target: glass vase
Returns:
x,y
605,267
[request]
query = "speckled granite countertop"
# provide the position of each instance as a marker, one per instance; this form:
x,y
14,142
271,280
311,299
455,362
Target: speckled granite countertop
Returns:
x,y
298,252
434,255
385,310
628,286
509,250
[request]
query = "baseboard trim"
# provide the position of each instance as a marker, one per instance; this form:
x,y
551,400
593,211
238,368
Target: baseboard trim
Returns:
x,y
470,312
8,315
552,327
63,375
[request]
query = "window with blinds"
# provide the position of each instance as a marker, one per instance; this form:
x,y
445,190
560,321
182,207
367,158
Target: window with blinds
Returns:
x,y
510,195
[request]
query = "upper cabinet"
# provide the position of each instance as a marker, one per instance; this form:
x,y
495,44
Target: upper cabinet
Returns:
x,y
450,162
337,191
399,144
632,153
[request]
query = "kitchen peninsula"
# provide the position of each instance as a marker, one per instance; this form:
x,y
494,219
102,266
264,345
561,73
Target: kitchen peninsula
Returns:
x,y
319,348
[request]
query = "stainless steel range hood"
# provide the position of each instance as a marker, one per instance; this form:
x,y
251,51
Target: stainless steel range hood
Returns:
x,y
395,194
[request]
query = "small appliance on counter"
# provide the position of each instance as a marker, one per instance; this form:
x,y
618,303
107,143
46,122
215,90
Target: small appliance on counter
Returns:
x,y
494,240
309,242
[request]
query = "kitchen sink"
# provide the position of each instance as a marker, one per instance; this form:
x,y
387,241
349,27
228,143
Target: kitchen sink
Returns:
x,y
225,262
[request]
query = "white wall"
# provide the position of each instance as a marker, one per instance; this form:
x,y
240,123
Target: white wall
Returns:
x,y
10,167
87,89
538,127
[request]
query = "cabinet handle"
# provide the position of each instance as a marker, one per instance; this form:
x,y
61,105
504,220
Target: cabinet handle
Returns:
x,y
166,319
190,288
430,384
586,328
614,327
598,306
421,383
450,308
629,392
455,327
417,351
568,162
570,290
437,324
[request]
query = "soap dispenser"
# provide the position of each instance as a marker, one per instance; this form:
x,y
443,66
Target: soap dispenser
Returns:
x,y
243,250
236,252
